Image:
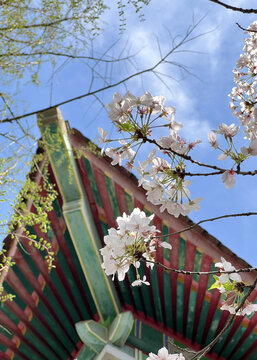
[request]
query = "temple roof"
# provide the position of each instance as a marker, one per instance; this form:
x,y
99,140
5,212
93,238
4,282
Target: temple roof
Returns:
x,y
40,322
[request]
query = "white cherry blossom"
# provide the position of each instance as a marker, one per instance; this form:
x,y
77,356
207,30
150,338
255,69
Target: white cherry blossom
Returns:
x,y
228,131
228,178
164,355
132,240
118,109
103,135
212,139
226,266
245,310
139,282
251,150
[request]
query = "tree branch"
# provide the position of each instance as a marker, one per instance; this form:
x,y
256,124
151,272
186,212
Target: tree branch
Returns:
x,y
234,8
186,272
207,348
189,158
44,25
40,53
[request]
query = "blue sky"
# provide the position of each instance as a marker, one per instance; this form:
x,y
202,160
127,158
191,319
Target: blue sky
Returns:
x,y
201,99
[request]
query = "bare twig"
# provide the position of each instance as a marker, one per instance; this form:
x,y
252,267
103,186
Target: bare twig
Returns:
x,y
184,40
248,30
207,220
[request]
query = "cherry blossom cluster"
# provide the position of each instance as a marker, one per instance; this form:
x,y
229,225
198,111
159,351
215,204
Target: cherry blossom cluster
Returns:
x,y
243,95
164,188
232,288
164,355
228,177
243,105
163,180
133,240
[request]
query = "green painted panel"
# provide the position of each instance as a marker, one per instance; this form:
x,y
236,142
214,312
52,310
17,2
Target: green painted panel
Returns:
x,y
135,289
191,311
60,334
182,254
203,317
156,296
217,348
23,279
124,293
213,327
233,342
29,336
243,348
57,208
73,286
104,227
145,294
63,294
180,306
197,264
40,346
9,313
139,343
211,278
61,314
92,181
79,271
129,202
49,338
151,341
253,356
165,231
168,300
2,347
153,336
92,264
29,352
246,345
112,196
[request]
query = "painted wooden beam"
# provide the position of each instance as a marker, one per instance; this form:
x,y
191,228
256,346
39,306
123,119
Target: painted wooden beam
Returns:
x,y
77,212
